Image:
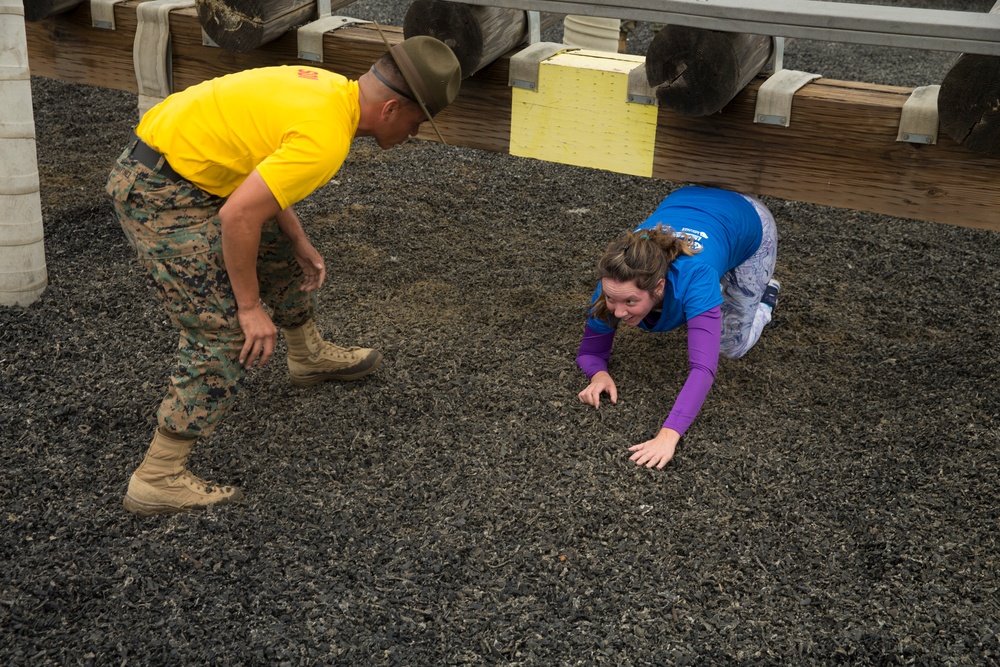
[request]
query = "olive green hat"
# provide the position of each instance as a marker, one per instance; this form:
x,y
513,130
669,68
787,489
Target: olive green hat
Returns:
x,y
431,70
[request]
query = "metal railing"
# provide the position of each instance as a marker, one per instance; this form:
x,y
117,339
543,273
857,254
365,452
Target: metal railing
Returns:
x,y
926,29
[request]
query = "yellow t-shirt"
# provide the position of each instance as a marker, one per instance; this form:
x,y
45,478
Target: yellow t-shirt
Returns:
x,y
294,125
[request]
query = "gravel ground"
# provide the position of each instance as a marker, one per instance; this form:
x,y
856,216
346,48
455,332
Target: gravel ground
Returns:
x,y
835,502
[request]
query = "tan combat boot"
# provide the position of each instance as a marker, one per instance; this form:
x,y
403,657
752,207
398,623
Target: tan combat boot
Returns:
x,y
162,485
312,360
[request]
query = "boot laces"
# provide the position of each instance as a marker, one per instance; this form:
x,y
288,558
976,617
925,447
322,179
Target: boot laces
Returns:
x,y
316,341
331,351
205,485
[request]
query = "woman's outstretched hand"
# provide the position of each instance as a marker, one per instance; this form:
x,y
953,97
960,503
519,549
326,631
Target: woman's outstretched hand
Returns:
x,y
657,452
600,383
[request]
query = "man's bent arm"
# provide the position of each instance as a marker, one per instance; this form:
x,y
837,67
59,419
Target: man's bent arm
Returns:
x,y
243,215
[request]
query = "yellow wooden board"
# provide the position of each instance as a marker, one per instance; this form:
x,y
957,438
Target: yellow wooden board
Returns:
x,y
580,115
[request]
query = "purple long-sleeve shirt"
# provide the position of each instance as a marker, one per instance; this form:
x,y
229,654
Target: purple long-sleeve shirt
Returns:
x,y
704,340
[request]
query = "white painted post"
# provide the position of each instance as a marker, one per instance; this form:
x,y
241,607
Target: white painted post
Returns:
x,y
22,253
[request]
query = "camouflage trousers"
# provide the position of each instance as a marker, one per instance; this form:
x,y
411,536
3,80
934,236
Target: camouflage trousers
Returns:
x,y
175,230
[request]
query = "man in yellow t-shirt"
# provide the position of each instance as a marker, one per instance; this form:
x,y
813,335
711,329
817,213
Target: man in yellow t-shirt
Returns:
x,y
204,192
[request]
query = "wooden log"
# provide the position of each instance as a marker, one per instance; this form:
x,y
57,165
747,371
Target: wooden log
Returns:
x,y
477,34
244,25
696,72
840,149
37,10
969,101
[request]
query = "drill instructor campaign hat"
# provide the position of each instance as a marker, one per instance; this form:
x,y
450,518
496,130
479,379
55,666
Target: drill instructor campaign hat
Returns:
x,y
431,71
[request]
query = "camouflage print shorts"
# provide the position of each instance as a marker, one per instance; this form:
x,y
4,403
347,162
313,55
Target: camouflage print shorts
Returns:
x,y
174,228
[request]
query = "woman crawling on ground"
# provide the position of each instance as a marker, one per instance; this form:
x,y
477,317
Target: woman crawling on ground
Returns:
x,y
704,258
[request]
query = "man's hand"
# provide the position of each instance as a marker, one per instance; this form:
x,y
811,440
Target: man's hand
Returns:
x,y
242,217
658,451
313,268
600,383
261,336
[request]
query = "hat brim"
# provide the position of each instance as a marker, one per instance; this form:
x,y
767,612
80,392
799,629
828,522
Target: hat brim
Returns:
x,y
406,69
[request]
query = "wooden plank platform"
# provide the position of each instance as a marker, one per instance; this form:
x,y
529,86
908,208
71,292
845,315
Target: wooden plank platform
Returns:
x,y
840,149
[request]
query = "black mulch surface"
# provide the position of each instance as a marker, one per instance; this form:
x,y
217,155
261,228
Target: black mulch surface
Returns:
x,y
835,502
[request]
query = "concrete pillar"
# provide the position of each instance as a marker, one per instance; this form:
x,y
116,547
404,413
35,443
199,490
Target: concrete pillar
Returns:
x,y
22,252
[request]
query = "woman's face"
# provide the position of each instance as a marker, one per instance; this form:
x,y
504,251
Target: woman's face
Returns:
x,y
629,303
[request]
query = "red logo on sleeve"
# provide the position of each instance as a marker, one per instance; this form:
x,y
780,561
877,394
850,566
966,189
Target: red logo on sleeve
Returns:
x,y
309,74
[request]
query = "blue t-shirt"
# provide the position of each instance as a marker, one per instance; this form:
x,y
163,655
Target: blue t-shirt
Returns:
x,y
726,230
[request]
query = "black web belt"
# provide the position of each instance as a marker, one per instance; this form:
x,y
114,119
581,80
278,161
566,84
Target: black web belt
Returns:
x,y
149,157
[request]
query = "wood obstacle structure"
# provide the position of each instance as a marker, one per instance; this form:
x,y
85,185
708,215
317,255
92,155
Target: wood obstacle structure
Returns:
x,y
709,103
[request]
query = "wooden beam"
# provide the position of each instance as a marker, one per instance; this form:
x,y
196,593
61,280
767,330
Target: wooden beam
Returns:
x,y
839,150
68,48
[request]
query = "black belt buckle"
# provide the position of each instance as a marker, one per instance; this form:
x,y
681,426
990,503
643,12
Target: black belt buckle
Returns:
x,y
149,157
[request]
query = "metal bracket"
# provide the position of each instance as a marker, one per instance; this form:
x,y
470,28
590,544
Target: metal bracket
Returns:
x,y
310,35
102,13
534,27
918,123
523,66
151,50
774,97
639,90
206,40
777,61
